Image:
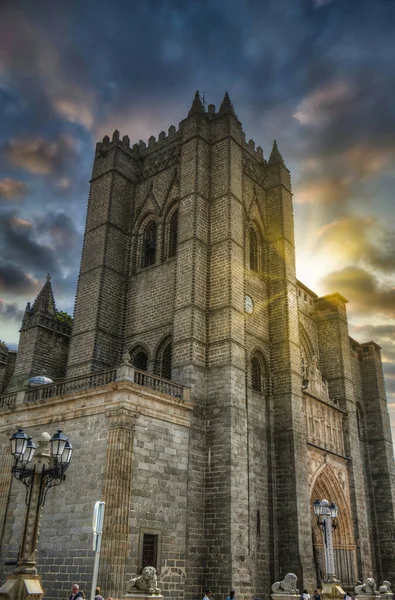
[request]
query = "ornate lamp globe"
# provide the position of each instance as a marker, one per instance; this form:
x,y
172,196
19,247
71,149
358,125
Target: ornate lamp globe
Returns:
x,y
18,442
317,508
334,510
31,447
58,443
66,455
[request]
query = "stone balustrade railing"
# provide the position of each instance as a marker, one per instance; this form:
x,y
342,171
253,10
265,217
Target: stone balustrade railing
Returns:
x,y
8,400
159,384
71,386
77,384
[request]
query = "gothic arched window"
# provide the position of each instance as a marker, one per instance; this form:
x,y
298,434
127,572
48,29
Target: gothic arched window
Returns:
x,y
256,375
253,250
149,245
140,360
173,232
165,365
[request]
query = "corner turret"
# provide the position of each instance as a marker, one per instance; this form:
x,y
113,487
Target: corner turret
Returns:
x,y
227,107
275,156
44,340
197,105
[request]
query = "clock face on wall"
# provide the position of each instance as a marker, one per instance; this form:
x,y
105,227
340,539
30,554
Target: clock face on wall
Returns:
x,y
249,305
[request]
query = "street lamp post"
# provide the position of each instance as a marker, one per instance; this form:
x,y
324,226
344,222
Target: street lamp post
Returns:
x,y
326,514
38,469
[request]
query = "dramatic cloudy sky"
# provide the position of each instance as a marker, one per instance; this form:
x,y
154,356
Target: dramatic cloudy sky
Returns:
x,y
317,75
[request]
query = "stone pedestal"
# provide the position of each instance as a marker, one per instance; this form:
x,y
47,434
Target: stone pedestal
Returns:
x,y
285,596
332,590
367,596
144,596
21,587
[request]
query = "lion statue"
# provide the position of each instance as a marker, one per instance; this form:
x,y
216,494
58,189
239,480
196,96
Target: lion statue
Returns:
x,y
369,587
146,582
385,588
287,586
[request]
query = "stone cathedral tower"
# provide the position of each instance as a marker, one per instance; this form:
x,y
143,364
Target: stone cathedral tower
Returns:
x,y
235,393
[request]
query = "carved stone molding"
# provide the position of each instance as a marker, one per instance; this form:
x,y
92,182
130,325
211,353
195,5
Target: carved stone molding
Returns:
x,y
161,159
315,384
123,418
253,169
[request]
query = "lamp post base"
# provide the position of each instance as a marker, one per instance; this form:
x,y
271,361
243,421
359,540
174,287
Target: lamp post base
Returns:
x,y
332,589
19,587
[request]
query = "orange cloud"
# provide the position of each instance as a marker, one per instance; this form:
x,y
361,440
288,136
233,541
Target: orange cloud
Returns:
x,y
38,155
359,240
75,110
317,106
18,222
11,189
323,191
366,160
362,289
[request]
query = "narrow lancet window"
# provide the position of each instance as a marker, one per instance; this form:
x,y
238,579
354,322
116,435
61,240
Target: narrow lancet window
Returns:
x,y
149,245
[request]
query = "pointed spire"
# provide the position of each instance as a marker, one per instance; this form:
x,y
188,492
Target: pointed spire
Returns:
x,y
197,105
45,301
275,156
227,106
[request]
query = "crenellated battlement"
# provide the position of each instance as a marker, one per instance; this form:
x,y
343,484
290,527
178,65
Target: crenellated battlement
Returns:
x,y
141,148
257,152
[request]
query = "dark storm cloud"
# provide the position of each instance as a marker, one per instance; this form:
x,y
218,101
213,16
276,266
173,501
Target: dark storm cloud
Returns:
x,y
19,246
363,291
14,280
10,311
44,245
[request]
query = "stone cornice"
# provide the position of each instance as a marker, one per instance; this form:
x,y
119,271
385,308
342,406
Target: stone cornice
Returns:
x,y
95,401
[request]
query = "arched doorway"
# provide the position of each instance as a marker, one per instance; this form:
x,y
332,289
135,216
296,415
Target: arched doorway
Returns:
x,y
327,486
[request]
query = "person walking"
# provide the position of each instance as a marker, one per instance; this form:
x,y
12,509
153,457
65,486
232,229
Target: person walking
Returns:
x,y
75,592
207,595
306,595
98,596
232,595
316,595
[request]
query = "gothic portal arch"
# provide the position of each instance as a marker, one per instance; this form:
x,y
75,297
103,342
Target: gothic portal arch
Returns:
x,y
331,484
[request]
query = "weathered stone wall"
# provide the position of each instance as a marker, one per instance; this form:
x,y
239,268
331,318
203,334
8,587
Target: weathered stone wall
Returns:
x,y
336,368
158,497
97,337
377,442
